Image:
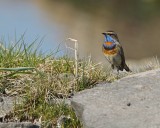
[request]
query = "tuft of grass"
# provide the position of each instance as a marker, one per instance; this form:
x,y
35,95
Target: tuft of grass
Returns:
x,y
20,54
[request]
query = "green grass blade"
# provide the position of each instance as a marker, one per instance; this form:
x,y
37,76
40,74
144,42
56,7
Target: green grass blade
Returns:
x,y
17,69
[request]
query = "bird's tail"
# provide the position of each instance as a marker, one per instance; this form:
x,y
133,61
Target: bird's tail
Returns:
x,y
127,68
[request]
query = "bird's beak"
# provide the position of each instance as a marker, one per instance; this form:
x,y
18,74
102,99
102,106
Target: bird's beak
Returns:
x,y
104,33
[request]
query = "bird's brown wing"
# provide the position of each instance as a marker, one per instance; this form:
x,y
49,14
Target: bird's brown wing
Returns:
x,y
123,63
121,53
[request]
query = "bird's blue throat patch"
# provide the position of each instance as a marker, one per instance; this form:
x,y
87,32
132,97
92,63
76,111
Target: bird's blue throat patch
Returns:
x,y
109,43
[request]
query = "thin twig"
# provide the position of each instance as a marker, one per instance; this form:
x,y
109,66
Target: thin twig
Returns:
x,y
76,54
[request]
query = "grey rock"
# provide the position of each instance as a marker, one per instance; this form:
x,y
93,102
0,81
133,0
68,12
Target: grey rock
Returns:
x,y
7,104
131,102
18,125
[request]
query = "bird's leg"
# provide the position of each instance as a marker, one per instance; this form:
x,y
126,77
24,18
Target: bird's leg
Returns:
x,y
117,73
112,66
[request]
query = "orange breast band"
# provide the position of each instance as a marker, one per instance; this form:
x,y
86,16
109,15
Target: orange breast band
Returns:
x,y
110,52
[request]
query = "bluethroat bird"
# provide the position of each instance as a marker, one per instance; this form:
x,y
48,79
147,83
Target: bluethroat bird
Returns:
x,y
113,51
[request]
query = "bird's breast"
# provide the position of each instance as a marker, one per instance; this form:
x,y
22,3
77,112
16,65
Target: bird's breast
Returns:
x,y
113,56
110,52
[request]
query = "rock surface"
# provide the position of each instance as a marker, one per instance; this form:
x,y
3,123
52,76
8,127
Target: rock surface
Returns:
x,y
6,105
18,125
131,102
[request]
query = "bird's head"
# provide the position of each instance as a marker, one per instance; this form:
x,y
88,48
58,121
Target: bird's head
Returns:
x,y
112,34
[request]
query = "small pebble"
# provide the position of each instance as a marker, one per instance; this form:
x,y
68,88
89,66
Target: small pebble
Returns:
x,y
128,104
